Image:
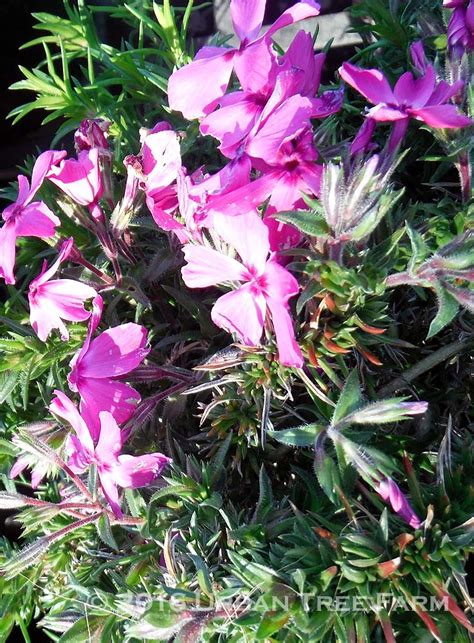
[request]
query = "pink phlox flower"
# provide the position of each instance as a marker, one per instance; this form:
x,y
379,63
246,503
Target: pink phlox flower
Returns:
x,y
196,89
423,98
25,217
261,284
113,469
97,368
242,112
393,495
81,180
52,301
282,150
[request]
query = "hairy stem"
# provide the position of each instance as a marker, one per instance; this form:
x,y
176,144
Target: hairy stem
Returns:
x,y
426,364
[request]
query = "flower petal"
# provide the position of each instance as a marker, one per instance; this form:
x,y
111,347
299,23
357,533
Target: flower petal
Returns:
x,y
133,472
247,17
64,408
231,123
36,220
248,235
110,440
371,83
7,252
242,312
115,352
109,489
207,267
195,89
98,395
441,116
289,353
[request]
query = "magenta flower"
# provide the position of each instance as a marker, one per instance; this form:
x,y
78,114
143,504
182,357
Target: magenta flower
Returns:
x,y
265,286
299,72
25,217
52,301
97,367
196,89
423,98
393,495
81,180
461,25
113,469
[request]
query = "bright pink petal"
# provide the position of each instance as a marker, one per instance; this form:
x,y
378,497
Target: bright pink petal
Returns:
x,y
289,353
300,56
78,458
98,395
233,121
444,116
280,283
415,93
62,406
246,198
110,441
300,11
248,235
242,312
7,252
161,159
36,220
195,89
80,179
247,17
23,191
382,113
207,267
97,308
256,67
371,83
63,254
115,352
444,92
42,166
133,472
287,120
110,491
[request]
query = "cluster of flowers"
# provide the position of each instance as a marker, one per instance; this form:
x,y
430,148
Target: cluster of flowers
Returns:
x,y
265,133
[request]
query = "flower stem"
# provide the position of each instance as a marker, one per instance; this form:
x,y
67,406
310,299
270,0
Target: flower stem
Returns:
x,y
464,169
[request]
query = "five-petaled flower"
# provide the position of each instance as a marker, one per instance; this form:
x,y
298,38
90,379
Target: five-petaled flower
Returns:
x,y
263,284
113,468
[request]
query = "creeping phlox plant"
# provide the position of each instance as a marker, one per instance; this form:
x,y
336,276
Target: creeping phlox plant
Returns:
x,y
207,312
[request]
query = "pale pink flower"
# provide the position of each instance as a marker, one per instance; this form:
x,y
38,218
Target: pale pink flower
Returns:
x,y
97,367
25,217
265,286
113,469
52,301
196,89
156,170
